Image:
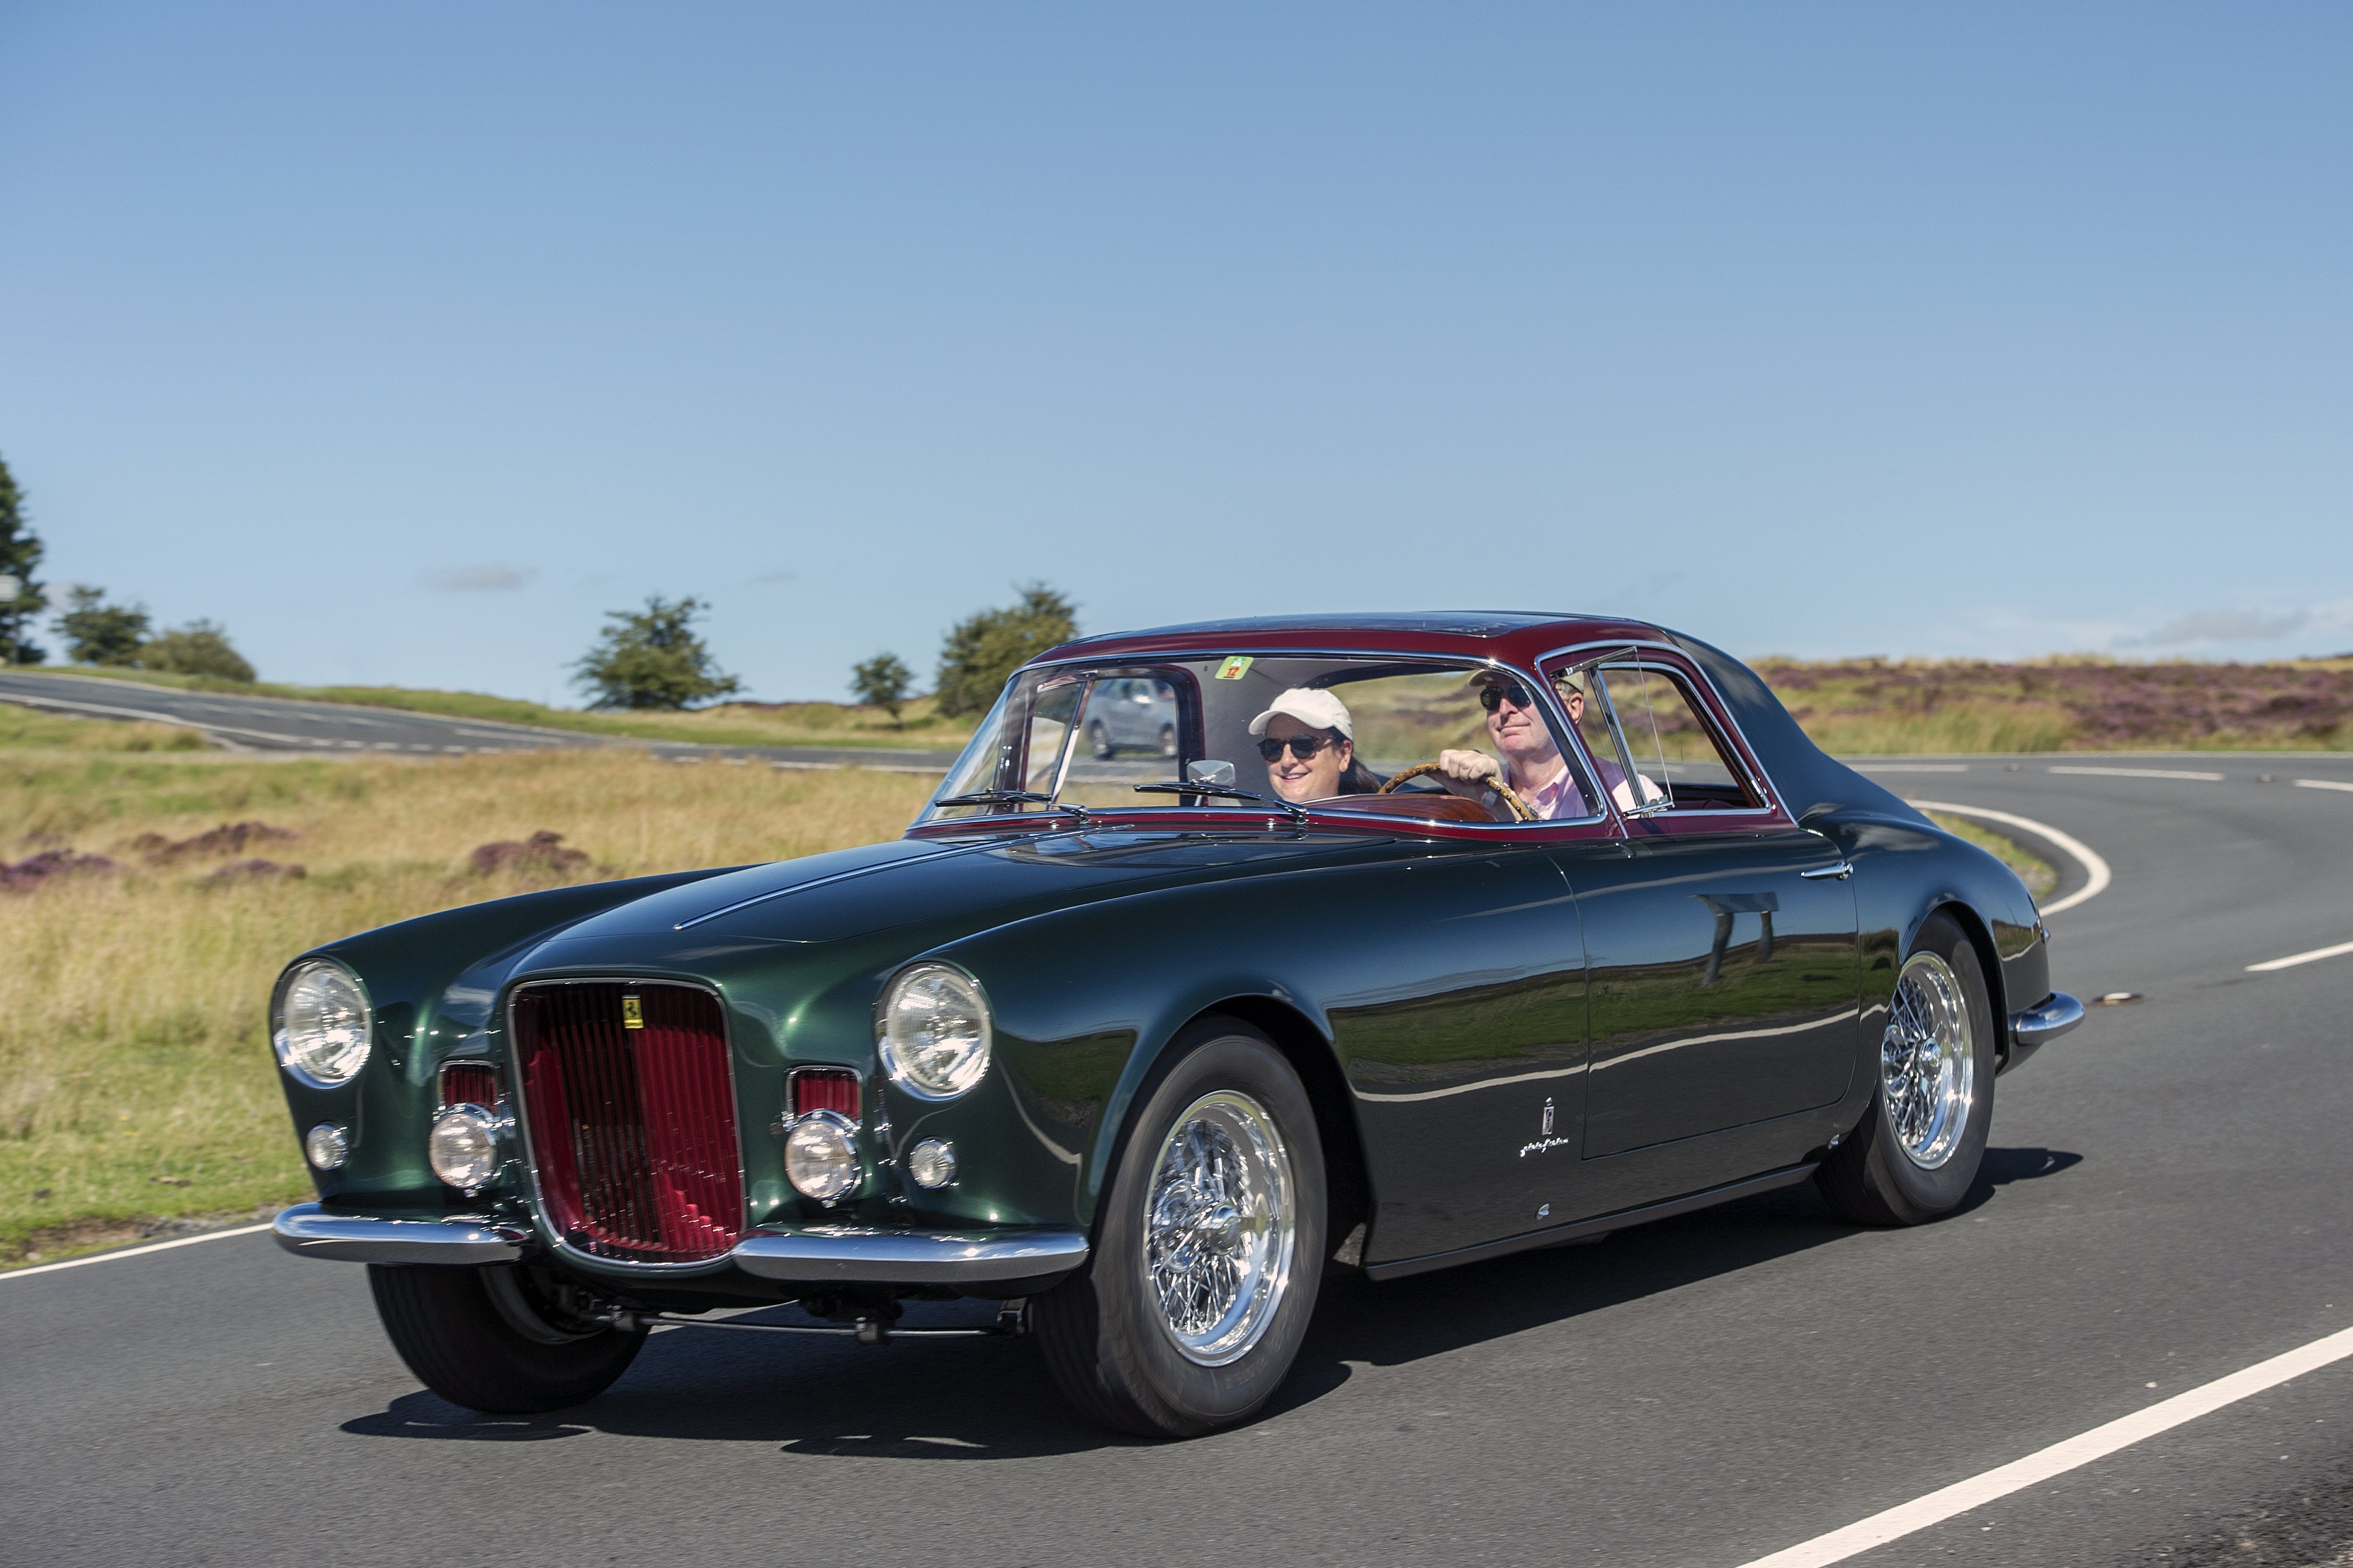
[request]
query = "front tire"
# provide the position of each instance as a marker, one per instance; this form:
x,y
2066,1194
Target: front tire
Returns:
x,y
1917,1151
490,1339
1208,1251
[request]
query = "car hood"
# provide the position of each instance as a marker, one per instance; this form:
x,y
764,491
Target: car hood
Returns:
x,y
853,892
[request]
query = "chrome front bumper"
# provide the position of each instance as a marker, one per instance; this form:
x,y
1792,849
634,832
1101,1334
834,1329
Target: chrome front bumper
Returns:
x,y
2036,1027
829,1255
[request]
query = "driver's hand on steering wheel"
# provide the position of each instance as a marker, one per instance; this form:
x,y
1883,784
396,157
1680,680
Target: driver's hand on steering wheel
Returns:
x,y
1466,767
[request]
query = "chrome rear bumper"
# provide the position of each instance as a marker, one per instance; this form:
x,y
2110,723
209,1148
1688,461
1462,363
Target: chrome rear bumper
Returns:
x,y
829,1256
2036,1027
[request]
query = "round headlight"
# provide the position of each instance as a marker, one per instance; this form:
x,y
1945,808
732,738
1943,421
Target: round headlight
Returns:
x,y
327,1145
463,1148
820,1161
322,1035
934,1032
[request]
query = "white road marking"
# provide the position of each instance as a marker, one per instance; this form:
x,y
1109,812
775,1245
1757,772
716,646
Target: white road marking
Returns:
x,y
2143,774
132,1251
1906,1519
2324,783
2095,868
1911,767
2292,959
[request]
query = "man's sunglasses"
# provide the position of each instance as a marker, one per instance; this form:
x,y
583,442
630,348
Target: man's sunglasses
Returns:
x,y
1302,746
1493,697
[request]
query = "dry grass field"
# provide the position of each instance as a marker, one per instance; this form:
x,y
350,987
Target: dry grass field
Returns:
x,y
135,1075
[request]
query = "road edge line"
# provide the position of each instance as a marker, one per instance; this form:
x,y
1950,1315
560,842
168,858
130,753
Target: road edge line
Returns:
x,y
132,1251
2072,1453
2095,867
2292,959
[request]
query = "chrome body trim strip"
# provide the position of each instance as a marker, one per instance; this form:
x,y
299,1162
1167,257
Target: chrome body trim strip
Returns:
x,y
307,1229
855,1256
2032,1028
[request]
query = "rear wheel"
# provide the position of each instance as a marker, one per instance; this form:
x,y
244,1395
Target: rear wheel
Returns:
x,y
495,1337
1917,1151
1195,1301
1099,741
1167,740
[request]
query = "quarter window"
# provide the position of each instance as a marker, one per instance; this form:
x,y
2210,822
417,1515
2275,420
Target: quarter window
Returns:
x,y
1641,718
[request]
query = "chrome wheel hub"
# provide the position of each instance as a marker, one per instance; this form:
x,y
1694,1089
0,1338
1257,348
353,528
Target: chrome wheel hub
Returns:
x,y
1927,1070
1220,1228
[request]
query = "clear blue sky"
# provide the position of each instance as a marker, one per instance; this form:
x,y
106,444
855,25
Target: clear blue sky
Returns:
x,y
407,339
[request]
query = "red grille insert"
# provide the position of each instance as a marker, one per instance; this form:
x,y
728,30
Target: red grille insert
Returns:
x,y
469,1083
825,1088
632,1129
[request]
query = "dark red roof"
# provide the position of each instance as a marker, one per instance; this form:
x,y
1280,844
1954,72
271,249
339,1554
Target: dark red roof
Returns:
x,y
1517,636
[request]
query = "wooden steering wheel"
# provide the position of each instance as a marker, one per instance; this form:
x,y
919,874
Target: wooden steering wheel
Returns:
x,y
1520,808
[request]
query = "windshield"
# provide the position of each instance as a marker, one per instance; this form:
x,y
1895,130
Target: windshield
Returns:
x,y
1250,729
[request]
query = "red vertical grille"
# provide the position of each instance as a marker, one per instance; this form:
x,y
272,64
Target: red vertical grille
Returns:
x,y
632,1129
826,1088
469,1083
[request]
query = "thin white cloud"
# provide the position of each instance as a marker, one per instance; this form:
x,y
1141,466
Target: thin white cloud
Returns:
x,y
495,578
2231,624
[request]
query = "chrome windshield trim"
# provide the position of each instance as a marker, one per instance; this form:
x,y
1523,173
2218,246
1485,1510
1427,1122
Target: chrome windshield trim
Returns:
x,y
310,1231
856,1255
1558,716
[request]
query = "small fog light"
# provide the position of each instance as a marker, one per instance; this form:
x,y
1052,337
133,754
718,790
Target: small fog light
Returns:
x,y
327,1145
931,1164
819,1158
463,1148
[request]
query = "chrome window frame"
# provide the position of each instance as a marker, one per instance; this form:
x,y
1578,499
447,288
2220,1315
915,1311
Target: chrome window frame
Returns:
x,y
1715,710
522,1121
1555,714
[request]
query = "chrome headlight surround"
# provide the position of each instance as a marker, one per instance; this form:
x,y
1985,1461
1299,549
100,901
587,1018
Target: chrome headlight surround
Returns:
x,y
320,1022
466,1147
932,1032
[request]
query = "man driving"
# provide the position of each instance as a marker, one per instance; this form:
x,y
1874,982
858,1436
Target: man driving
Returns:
x,y
1531,761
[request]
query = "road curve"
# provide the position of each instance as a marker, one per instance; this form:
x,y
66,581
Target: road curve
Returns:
x,y
332,729
2164,1202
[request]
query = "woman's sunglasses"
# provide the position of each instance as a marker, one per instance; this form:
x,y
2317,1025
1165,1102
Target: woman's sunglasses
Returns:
x,y
1302,746
1493,697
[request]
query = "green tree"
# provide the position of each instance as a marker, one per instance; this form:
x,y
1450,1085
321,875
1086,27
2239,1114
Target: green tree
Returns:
x,y
20,551
882,682
980,651
200,648
653,658
99,632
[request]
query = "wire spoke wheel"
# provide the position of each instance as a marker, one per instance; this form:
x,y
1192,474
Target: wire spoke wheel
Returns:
x,y
1927,1063
1220,1228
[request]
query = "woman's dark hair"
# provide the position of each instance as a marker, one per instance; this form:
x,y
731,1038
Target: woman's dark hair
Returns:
x,y
1355,778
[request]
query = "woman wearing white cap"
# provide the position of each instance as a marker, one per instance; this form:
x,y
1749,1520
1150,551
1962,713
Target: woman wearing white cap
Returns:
x,y
1310,746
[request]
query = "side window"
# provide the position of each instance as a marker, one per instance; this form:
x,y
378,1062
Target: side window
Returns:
x,y
1675,751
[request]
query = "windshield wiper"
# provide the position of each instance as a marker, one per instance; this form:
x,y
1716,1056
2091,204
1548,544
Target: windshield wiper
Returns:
x,y
1223,792
1015,797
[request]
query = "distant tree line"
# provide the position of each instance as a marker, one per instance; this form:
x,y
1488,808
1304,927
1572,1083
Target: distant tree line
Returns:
x,y
655,658
94,631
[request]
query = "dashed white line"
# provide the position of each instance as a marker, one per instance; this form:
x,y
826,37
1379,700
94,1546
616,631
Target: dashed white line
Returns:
x,y
132,1251
2292,959
1907,1519
2143,774
2324,783
2095,867
1911,767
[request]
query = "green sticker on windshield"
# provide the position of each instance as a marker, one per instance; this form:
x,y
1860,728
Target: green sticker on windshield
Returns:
x,y
1235,668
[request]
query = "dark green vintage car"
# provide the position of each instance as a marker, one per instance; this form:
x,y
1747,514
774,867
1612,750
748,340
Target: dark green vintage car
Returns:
x,y
1413,941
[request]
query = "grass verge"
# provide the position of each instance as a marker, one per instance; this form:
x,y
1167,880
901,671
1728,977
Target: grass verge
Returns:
x,y
136,1085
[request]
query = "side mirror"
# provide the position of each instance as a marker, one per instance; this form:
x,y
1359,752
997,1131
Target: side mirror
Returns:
x,y
1209,773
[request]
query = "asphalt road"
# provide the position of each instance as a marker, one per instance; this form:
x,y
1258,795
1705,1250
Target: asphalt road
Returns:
x,y
329,728
2166,1201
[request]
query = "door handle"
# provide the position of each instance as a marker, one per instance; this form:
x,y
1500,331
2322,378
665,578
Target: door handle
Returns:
x,y
1843,870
